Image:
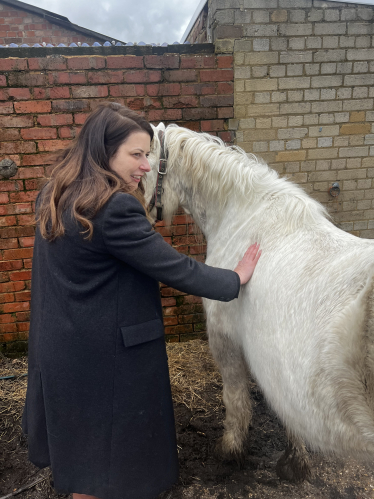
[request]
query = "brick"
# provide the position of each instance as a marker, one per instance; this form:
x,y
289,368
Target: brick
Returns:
x,y
291,156
12,64
124,62
144,76
6,108
68,106
2,81
32,107
11,265
54,62
86,62
223,61
164,89
14,307
10,243
217,100
89,92
105,77
180,102
52,145
37,159
27,79
55,119
38,133
350,129
17,147
59,93
22,275
225,112
16,121
123,91
165,61
67,78
4,198
17,254
210,126
156,115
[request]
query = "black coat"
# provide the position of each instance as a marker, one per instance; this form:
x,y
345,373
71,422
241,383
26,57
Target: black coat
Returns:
x,y
98,406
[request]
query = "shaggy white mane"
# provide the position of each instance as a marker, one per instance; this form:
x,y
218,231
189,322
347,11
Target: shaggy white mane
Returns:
x,y
219,172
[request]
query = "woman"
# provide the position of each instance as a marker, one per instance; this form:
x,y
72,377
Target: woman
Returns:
x,y
98,407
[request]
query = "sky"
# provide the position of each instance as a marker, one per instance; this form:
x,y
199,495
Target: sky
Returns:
x,y
149,21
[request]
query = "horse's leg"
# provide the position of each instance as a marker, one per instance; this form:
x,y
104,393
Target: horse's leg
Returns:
x,y
236,397
293,465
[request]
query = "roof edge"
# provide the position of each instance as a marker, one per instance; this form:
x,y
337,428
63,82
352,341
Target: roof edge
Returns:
x,y
193,19
54,18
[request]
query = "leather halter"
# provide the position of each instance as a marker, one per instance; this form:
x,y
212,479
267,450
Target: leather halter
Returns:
x,y
156,198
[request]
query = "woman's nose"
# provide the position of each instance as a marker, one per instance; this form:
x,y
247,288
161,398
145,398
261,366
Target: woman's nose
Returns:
x,y
145,166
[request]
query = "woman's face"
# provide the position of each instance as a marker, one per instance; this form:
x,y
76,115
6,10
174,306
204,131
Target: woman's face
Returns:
x,y
131,159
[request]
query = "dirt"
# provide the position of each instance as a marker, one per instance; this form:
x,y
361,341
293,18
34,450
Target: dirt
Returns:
x,y
202,475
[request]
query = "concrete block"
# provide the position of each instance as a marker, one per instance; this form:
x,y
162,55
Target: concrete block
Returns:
x,y
312,94
327,81
356,80
259,71
332,15
295,96
242,72
294,69
243,45
295,4
326,119
328,93
353,152
224,46
348,14
295,121
278,96
238,59
309,144
308,166
360,67
344,67
315,15
261,44
321,153
260,30
344,93
299,107
297,16
262,109
356,28
363,41
225,4
325,142
261,85
292,167
330,42
260,16
311,119
279,16
313,42
276,145
224,16
261,58
296,57
312,69
329,55
291,156
323,131
296,43
369,116
293,144
369,139
265,123
360,92
277,71
242,16
295,29
341,117
260,146
292,133
233,124
243,98
262,97
330,28
279,121
328,68
365,13
289,83
347,41
228,31
279,43
260,4
358,104
239,86
247,123
327,106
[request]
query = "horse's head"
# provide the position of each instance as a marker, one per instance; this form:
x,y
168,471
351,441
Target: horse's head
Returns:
x,y
169,196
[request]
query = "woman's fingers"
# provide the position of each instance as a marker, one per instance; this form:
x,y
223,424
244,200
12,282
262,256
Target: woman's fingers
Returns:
x,y
247,264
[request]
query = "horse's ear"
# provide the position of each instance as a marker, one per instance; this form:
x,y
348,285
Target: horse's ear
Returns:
x,y
159,127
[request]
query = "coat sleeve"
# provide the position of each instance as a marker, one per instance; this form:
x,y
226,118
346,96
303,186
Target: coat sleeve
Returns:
x,y
129,236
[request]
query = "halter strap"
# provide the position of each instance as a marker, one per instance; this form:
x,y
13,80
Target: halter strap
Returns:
x,y
156,198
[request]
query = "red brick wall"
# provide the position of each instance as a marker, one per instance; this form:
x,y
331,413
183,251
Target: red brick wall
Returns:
x,y
43,104
19,26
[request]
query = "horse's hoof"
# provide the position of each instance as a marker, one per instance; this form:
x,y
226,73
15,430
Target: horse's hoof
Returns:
x,y
293,466
223,453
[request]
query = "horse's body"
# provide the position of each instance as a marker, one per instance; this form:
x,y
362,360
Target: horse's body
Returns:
x,y
304,324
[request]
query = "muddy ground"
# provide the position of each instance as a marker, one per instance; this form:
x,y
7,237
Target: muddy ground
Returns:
x,y
202,476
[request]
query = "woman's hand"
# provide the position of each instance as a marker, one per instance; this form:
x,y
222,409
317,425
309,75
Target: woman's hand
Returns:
x,y
247,264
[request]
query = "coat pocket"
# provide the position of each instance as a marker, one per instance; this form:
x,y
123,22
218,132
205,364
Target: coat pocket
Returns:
x,y
141,333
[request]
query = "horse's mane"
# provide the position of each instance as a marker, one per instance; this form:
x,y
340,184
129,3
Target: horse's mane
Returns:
x,y
221,171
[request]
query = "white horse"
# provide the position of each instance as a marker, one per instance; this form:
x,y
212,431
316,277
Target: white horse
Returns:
x,y
304,324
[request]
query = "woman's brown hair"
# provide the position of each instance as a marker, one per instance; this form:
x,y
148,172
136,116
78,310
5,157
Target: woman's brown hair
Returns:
x,y
82,180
